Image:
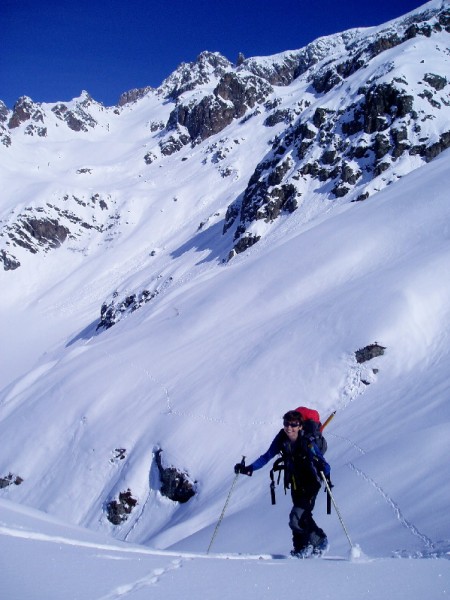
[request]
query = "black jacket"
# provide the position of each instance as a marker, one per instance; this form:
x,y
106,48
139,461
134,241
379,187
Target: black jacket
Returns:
x,y
303,461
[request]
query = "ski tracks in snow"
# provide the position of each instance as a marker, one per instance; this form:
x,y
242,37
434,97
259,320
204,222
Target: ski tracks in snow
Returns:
x,y
154,576
430,548
148,581
358,377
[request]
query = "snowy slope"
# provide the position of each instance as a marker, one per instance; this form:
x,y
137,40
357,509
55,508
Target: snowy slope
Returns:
x,y
215,362
61,560
205,369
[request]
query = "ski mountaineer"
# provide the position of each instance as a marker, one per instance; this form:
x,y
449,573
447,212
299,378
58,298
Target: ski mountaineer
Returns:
x,y
303,463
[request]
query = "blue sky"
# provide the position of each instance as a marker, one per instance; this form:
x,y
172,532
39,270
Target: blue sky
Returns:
x,y
54,49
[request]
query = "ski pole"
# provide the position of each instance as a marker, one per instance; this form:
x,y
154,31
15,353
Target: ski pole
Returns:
x,y
224,507
336,508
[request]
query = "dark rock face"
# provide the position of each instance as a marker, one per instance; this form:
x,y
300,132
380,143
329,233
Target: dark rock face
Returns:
x,y
4,112
436,81
9,262
173,143
368,352
428,152
231,99
359,142
39,229
118,455
330,76
278,116
5,138
188,76
243,243
24,109
175,484
113,311
47,231
77,120
118,511
32,233
284,70
382,104
133,95
10,479
262,200
149,158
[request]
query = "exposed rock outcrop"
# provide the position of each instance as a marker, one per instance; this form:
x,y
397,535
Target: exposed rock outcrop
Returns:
x,y
368,352
44,228
231,99
188,76
10,479
175,484
118,510
340,151
133,95
344,136
115,309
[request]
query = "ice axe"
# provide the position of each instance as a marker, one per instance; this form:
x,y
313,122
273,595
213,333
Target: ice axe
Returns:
x,y
327,421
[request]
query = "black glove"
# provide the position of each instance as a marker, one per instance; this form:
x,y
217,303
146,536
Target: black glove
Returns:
x,y
241,469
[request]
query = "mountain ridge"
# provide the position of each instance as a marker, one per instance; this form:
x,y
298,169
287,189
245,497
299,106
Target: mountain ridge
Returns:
x,y
315,145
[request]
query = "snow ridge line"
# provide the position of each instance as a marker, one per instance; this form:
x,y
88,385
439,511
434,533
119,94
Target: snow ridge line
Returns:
x,y
126,548
429,544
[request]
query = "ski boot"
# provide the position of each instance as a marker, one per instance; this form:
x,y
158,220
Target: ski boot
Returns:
x,y
305,552
319,548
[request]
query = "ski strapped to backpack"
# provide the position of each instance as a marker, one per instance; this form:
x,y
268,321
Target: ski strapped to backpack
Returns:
x,y
313,429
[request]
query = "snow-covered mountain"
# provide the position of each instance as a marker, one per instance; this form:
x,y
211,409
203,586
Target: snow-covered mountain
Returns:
x,y
181,269
335,121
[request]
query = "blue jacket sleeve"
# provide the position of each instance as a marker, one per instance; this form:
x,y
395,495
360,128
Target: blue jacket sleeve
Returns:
x,y
273,450
318,460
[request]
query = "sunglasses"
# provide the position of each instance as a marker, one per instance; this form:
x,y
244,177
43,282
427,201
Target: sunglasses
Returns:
x,y
291,423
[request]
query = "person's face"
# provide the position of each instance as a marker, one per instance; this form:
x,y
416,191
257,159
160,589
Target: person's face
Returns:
x,y
292,428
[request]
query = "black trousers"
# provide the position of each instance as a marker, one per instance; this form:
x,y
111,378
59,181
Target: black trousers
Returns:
x,y
305,530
